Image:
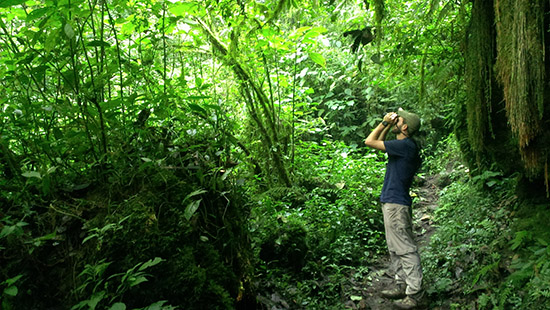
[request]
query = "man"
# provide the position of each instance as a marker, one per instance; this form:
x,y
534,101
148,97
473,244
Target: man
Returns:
x,y
403,162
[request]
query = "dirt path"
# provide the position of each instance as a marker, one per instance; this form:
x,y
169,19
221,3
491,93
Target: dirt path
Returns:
x,y
378,279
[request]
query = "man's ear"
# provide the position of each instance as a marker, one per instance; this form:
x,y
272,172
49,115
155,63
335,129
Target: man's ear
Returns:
x,y
404,127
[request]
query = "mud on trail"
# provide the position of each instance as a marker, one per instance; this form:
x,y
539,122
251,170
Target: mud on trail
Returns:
x,y
378,279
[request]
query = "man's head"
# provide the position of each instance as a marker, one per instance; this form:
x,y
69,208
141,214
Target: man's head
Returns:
x,y
409,123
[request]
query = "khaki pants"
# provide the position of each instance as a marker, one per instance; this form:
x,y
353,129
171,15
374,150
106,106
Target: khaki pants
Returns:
x,y
405,261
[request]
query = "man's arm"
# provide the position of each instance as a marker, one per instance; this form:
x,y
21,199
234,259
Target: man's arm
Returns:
x,y
378,135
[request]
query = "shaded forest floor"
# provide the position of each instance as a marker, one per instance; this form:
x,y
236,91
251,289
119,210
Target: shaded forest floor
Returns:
x,y
378,278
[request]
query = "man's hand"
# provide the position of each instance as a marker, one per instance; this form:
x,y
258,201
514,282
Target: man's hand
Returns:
x,y
391,118
377,136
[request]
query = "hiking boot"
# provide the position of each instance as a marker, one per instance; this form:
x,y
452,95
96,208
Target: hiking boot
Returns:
x,y
406,303
395,293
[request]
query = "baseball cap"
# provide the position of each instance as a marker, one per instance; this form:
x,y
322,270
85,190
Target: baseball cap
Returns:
x,y
412,120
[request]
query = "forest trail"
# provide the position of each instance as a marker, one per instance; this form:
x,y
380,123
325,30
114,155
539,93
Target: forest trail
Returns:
x,y
378,278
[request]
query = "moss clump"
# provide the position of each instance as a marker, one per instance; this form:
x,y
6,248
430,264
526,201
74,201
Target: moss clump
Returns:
x,y
521,71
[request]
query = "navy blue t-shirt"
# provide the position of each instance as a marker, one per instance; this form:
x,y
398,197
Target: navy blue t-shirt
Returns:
x,y
403,162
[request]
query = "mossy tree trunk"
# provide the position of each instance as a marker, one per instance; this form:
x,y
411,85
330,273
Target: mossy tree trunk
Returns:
x,y
506,68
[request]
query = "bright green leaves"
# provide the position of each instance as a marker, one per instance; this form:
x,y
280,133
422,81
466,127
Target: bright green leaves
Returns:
x,y
306,37
270,38
8,3
181,9
314,33
10,287
303,38
38,13
318,59
15,230
128,28
307,33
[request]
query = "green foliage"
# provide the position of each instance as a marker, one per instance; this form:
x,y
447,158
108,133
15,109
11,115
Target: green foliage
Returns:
x,y
528,283
444,160
309,239
100,286
106,241
490,245
10,290
462,251
226,138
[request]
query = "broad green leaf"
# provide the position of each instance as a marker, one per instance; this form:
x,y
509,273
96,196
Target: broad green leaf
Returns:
x,y
197,108
128,28
138,280
32,174
96,298
318,59
7,230
35,14
268,32
46,237
302,29
11,291
191,208
150,263
319,29
157,306
51,41
356,298
195,193
118,306
314,32
542,242
88,238
69,31
13,280
80,305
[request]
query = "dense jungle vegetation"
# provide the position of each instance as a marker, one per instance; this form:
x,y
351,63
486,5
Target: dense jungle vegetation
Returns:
x,y
209,154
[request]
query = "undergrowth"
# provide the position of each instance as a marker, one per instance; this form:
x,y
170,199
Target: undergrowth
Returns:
x,y
156,234
310,239
491,248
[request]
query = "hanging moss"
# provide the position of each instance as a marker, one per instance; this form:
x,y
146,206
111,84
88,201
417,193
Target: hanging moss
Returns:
x,y
479,63
505,65
520,70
